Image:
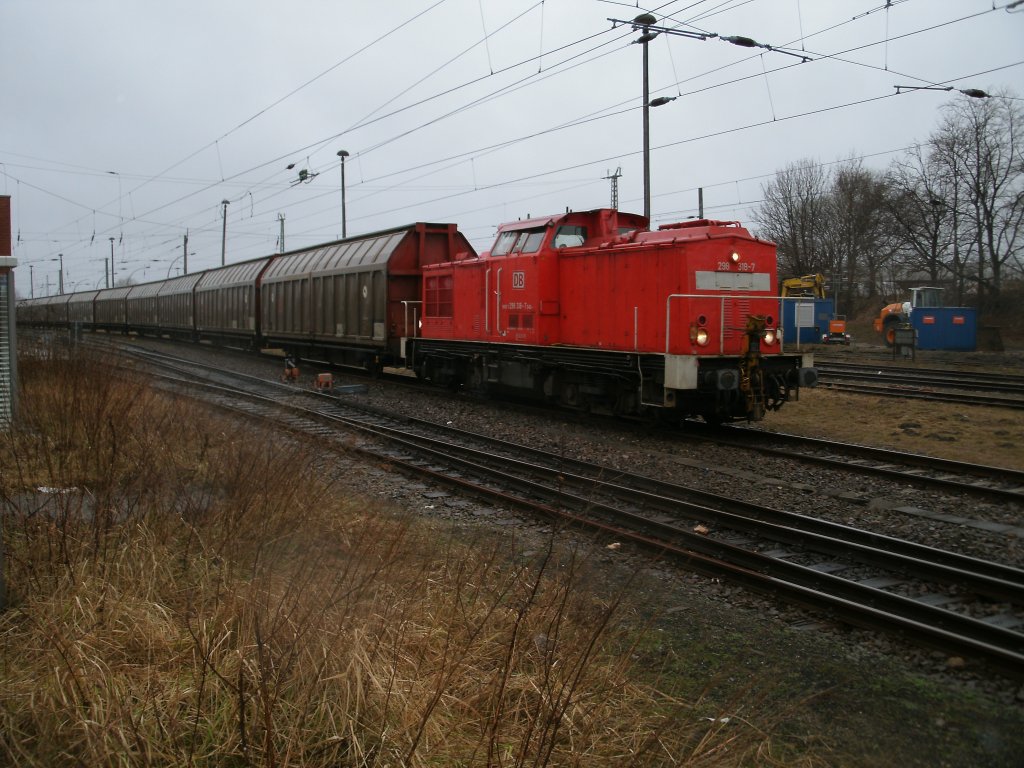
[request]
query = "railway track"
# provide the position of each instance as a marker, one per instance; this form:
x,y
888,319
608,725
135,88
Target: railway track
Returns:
x,y
928,472
921,471
998,390
962,605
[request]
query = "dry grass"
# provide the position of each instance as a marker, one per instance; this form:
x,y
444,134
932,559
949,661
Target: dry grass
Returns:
x,y
189,591
976,434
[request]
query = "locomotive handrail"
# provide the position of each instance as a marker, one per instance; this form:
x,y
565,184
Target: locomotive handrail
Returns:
x,y
415,326
720,296
405,310
721,331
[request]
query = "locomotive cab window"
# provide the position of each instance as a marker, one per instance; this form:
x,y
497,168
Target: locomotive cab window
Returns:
x,y
569,236
529,241
438,295
523,241
504,243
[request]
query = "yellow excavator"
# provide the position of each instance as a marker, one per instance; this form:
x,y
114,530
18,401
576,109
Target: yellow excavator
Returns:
x,y
808,285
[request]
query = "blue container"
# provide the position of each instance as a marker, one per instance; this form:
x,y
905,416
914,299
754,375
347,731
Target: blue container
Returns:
x,y
954,328
812,316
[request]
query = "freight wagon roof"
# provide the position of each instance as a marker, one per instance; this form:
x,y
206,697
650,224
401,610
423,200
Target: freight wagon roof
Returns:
x,y
181,284
85,297
58,298
145,290
113,293
245,272
369,251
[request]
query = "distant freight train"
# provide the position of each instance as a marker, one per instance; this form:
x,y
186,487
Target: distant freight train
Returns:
x,y
589,310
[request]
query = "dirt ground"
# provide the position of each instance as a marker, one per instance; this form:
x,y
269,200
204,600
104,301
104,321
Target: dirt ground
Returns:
x,y
976,434
979,435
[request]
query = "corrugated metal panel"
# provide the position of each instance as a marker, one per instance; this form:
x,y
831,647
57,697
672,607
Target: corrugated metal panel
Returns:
x,y
234,274
337,257
144,290
183,284
80,306
113,293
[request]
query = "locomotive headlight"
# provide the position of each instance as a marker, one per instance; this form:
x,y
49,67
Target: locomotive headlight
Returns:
x,y
769,336
735,256
702,337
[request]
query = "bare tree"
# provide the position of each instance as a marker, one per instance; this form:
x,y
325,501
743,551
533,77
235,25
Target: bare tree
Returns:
x,y
857,236
792,215
925,206
979,142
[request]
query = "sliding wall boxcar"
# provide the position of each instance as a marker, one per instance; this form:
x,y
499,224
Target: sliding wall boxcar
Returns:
x,y
82,309
227,303
110,314
176,305
140,307
353,300
41,311
55,309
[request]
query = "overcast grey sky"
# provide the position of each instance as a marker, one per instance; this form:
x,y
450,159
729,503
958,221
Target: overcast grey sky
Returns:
x,y
134,119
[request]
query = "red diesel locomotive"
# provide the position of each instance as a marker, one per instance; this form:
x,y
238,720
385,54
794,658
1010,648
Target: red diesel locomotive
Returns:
x,y
593,310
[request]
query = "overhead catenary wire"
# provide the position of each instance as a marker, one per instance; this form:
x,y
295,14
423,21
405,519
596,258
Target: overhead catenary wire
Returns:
x,y
147,215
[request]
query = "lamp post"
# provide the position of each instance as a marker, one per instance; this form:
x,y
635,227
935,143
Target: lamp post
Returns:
x,y
133,272
171,266
343,154
643,23
60,274
645,20
224,233
110,281
974,93
646,24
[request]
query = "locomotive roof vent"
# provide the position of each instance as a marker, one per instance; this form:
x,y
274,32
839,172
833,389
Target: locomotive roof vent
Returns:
x,y
693,223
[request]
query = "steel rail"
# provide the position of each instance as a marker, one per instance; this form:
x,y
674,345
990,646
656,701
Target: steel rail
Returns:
x,y
854,603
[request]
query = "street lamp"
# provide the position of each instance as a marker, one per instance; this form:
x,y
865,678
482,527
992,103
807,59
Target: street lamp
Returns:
x,y
175,261
645,20
60,274
143,268
224,232
974,93
343,154
643,23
